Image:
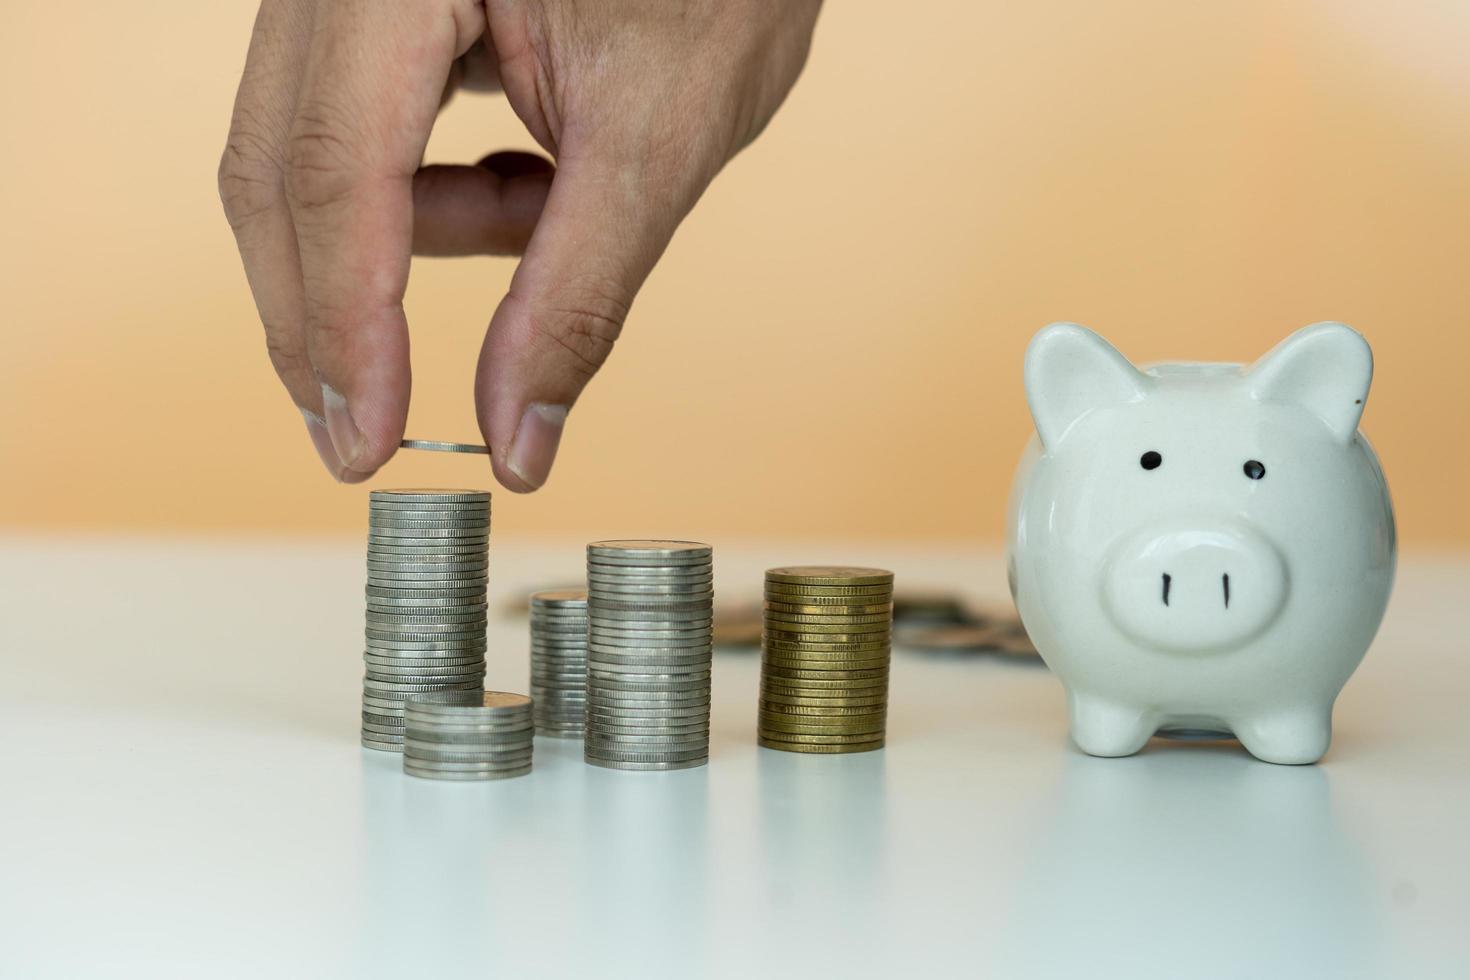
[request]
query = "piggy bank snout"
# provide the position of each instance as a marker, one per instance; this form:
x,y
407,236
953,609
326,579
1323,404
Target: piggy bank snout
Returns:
x,y
1194,588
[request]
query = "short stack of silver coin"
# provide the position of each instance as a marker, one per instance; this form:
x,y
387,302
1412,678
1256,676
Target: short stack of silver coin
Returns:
x,y
426,563
650,619
559,662
467,735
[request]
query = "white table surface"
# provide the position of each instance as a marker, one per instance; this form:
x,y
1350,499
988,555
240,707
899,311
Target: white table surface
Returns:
x,y
184,796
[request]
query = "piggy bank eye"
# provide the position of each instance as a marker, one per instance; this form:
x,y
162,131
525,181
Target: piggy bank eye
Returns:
x,y
1151,460
1254,469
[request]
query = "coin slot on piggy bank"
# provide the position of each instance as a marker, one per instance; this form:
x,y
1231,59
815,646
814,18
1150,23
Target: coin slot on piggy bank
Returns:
x,y
1172,584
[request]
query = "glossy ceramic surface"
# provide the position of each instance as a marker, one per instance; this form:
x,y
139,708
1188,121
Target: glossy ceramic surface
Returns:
x,y
1201,548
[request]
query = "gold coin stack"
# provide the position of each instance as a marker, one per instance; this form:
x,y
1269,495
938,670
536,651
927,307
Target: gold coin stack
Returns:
x,y
825,651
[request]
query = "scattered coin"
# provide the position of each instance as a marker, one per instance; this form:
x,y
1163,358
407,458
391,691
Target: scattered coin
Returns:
x,y
1007,638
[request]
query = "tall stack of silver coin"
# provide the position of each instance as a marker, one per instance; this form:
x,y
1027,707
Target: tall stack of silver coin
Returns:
x,y
559,662
426,562
467,735
650,619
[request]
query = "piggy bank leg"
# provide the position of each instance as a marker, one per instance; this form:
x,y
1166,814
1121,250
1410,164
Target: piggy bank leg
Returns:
x,y
1295,738
1106,729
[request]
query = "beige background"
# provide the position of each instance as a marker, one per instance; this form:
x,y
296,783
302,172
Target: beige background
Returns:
x,y
832,345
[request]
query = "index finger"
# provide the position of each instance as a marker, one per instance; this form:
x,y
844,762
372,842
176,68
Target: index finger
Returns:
x,y
369,96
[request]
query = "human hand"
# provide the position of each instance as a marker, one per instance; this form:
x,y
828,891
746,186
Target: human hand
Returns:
x,y
639,102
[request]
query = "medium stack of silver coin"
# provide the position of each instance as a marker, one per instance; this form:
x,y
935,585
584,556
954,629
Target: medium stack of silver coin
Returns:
x,y
650,618
559,662
467,735
426,562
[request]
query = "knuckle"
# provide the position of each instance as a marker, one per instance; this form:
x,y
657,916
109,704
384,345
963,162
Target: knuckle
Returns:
x,y
249,177
286,355
585,327
320,164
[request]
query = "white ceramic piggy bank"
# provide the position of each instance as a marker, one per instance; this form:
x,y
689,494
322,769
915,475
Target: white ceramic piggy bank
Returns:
x,y
1201,548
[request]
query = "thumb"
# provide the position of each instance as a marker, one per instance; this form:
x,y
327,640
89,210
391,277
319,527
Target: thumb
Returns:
x,y
596,241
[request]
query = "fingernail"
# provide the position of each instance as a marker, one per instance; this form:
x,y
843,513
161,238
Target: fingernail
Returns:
x,y
534,447
316,427
347,439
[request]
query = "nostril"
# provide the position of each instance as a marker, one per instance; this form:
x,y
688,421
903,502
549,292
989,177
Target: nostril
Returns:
x,y
1167,579
1225,580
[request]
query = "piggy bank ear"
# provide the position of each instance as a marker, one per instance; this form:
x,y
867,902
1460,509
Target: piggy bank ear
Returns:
x,y
1070,371
1325,368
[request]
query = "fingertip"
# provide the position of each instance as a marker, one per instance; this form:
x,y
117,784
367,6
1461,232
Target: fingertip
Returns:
x,y
316,428
348,442
524,464
363,435
507,478
321,439
538,436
